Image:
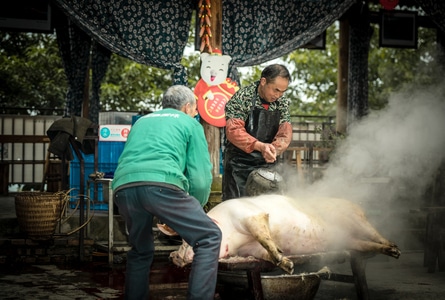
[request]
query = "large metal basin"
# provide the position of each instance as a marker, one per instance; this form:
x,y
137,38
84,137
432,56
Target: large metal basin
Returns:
x,y
275,285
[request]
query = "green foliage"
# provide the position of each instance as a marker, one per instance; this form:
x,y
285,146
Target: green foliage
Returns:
x,y
392,69
129,86
31,71
314,74
192,63
314,90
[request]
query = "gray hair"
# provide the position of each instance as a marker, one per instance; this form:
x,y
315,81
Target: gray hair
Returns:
x,y
177,96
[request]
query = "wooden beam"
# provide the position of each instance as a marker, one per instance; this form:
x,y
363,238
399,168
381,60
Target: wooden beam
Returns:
x,y
212,133
24,139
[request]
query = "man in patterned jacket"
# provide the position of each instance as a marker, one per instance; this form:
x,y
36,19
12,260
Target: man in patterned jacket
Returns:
x,y
258,128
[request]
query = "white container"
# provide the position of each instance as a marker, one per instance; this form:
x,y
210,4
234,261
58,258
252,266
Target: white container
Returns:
x,y
114,133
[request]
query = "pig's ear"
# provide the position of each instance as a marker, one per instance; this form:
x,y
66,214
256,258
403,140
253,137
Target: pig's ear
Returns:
x,y
166,230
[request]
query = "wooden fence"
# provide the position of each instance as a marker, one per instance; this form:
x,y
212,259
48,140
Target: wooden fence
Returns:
x,y
24,145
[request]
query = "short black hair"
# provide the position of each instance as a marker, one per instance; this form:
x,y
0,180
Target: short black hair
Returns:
x,y
275,70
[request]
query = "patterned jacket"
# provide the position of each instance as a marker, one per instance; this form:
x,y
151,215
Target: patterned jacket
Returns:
x,y
237,111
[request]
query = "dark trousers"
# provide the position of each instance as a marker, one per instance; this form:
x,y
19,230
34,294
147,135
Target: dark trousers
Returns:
x,y
183,213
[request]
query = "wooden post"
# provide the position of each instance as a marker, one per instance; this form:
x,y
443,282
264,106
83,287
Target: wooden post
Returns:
x,y
212,133
342,79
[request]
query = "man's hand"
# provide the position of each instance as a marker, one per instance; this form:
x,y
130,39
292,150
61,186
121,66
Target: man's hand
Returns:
x,y
280,145
267,150
165,229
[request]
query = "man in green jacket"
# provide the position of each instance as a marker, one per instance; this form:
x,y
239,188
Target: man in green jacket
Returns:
x,y
165,171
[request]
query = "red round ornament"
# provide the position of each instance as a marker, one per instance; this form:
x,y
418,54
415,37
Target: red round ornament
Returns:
x,y
389,4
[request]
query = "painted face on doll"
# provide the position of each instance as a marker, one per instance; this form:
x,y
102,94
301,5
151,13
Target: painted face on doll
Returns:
x,y
214,68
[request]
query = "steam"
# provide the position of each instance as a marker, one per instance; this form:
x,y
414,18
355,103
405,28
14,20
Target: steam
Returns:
x,y
402,145
390,157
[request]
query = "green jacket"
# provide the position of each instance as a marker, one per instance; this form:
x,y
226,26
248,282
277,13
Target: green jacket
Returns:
x,y
168,147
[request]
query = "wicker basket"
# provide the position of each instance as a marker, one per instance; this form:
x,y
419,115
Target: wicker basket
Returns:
x,y
38,213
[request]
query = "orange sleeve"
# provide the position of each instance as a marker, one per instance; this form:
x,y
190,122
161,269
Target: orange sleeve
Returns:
x,y
283,137
236,134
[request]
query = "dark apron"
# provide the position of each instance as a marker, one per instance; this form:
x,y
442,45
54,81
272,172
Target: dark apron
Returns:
x,y
261,124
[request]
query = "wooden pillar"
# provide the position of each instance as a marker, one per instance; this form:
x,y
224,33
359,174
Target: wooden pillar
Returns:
x,y
212,133
342,77
360,32
440,35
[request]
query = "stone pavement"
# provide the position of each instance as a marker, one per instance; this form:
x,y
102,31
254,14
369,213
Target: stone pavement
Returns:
x,y
388,279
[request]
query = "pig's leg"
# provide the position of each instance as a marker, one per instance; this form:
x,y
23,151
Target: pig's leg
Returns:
x,y
258,226
368,246
364,230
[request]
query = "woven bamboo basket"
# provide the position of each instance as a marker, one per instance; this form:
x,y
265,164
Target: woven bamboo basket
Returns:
x,y
38,213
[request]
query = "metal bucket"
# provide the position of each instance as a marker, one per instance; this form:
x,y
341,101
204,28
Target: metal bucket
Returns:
x,y
264,181
275,285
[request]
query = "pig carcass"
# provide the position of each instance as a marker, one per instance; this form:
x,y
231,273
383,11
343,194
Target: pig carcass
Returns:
x,y
273,227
